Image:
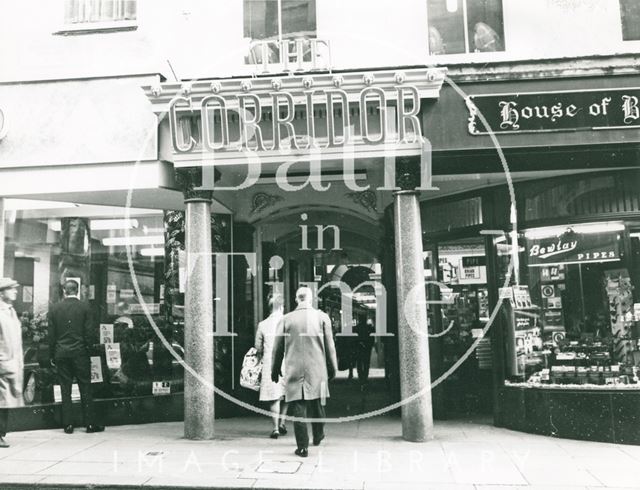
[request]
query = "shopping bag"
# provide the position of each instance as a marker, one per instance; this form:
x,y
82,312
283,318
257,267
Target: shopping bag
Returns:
x,y
251,371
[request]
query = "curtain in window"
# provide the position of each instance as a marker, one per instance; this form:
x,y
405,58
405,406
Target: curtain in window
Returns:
x,y
261,18
630,17
77,11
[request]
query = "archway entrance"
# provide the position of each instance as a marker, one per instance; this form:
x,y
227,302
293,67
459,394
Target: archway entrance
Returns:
x,y
336,253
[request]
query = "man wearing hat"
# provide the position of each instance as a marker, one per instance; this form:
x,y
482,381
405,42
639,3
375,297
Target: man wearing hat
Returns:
x,y
11,357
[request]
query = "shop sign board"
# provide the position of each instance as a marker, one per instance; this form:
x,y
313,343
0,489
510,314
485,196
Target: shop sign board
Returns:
x,y
555,111
295,116
573,248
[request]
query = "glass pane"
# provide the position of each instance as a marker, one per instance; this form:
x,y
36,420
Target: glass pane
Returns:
x,y
485,25
630,17
43,246
462,273
298,17
446,26
261,19
579,323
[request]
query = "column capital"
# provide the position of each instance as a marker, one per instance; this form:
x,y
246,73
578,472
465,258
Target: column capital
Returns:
x,y
190,179
408,173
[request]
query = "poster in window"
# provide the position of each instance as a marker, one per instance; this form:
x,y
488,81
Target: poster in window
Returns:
x,y
27,294
114,361
111,294
96,370
75,393
106,333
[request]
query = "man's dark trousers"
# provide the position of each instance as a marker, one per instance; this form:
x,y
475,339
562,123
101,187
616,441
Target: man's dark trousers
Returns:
x,y
4,421
303,409
80,367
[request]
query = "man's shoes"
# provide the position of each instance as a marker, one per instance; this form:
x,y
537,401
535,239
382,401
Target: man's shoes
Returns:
x,y
94,428
68,429
316,442
283,430
3,443
302,452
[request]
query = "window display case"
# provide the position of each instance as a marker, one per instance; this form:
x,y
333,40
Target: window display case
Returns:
x,y
580,326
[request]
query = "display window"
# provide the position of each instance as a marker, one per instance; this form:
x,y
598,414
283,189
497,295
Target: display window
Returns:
x,y
458,269
572,311
49,242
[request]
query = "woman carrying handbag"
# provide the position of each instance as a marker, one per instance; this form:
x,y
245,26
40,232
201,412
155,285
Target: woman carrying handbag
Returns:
x,y
270,392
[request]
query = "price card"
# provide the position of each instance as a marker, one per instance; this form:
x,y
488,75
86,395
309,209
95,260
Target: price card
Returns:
x,y
161,388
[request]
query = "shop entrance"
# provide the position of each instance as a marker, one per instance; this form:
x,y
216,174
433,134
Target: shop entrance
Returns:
x,y
460,268
337,254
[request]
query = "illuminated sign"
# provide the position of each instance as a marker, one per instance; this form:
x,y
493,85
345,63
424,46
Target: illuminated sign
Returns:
x,y
574,248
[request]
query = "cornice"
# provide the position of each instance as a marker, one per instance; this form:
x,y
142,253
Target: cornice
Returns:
x,y
573,67
428,82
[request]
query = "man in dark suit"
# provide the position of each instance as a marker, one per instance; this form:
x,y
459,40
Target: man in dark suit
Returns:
x,y
69,327
304,340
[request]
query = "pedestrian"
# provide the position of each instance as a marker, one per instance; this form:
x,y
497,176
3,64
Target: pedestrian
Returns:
x,y
270,392
69,329
365,331
304,340
11,356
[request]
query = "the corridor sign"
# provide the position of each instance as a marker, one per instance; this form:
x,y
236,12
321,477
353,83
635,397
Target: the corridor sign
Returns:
x,y
555,111
223,120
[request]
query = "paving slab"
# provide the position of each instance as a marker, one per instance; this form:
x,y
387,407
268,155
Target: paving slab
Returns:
x,y
363,455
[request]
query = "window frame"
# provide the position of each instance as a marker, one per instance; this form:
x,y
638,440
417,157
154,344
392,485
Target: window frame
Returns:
x,y
466,34
86,27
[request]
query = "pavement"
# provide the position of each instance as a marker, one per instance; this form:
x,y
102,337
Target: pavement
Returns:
x,y
365,455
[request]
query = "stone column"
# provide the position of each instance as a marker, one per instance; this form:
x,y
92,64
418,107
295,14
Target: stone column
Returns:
x,y
198,309
415,375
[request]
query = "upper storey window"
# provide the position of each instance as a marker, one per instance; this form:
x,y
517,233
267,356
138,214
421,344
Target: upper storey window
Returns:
x,y
630,17
99,11
465,26
279,21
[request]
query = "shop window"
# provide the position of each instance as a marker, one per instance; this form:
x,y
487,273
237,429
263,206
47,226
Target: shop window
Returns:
x,y
278,21
630,18
465,26
573,311
44,246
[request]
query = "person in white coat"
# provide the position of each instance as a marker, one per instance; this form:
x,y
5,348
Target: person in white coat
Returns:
x,y
271,392
11,356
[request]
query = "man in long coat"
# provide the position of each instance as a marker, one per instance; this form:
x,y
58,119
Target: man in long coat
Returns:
x,y
11,356
304,340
